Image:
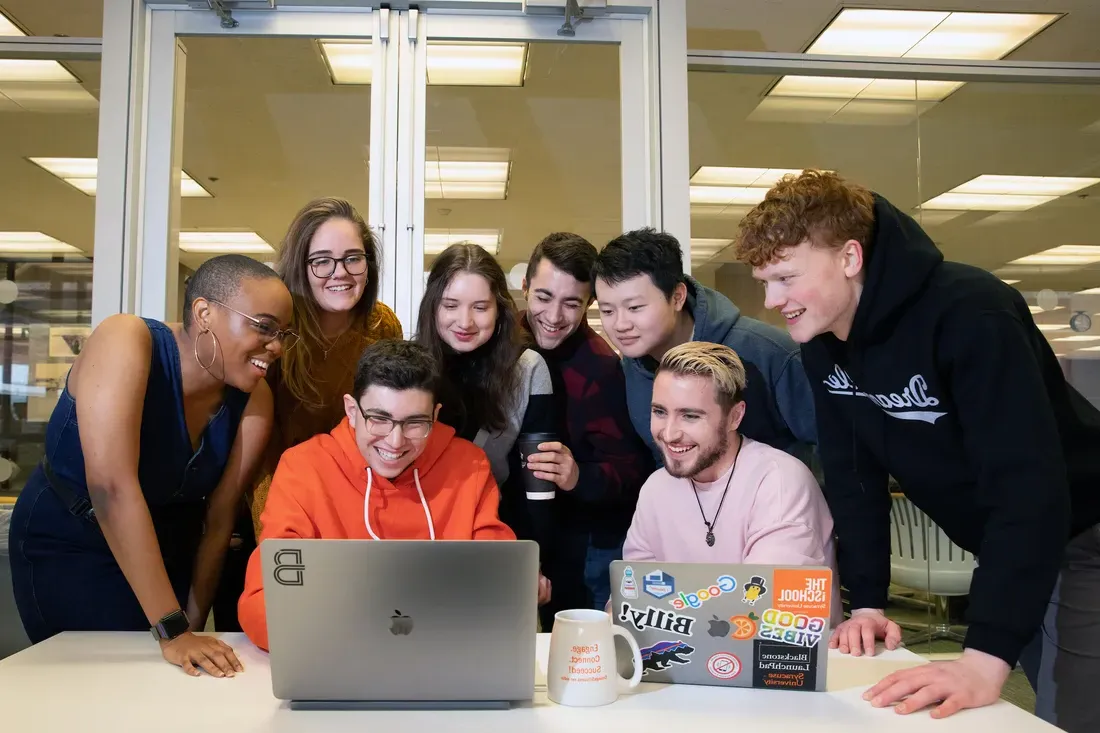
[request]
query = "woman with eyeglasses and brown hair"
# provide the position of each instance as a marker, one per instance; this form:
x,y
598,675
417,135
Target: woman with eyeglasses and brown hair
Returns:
x,y
329,261
124,524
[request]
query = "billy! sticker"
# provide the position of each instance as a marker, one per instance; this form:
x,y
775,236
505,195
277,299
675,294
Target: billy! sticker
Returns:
x,y
658,584
724,584
791,628
655,618
664,654
802,591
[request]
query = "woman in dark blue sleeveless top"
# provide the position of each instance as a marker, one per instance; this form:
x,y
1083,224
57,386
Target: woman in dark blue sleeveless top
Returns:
x,y
125,523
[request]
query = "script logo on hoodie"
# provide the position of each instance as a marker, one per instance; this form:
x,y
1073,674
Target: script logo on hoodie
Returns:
x,y
914,395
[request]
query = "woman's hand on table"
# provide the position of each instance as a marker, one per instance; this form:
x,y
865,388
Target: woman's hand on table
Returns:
x,y
972,681
858,634
192,652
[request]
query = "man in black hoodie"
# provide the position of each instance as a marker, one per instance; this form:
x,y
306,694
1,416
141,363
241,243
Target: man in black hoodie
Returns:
x,y
934,373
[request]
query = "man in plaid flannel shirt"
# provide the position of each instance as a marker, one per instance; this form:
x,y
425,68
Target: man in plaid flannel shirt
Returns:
x,y
601,463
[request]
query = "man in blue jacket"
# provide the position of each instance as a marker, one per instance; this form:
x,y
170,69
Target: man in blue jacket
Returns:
x,y
934,373
648,306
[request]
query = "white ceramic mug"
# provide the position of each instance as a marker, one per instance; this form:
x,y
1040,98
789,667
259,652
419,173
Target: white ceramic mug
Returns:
x,y
582,669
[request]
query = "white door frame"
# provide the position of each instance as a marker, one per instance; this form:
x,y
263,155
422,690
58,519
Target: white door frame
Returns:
x,y
152,182
639,90
144,64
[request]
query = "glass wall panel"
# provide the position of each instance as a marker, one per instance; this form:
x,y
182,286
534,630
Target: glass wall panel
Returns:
x,y
1003,176
269,125
509,161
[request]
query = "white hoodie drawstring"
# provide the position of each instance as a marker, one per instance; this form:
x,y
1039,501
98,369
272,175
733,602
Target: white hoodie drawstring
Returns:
x,y
423,502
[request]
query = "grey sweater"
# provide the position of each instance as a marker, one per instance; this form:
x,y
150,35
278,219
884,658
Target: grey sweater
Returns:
x,y
535,395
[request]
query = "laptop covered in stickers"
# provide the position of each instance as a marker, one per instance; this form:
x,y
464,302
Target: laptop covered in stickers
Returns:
x,y
761,626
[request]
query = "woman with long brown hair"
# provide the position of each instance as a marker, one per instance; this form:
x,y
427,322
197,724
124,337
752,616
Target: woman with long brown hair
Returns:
x,y
494,388
329,261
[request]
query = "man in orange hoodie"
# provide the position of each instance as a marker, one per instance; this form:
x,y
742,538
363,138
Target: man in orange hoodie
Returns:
x,y
388,471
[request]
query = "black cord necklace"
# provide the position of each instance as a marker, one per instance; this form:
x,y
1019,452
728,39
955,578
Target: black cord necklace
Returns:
x,y
711,523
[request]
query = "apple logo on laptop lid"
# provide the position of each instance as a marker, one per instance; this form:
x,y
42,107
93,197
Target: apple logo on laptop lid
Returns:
x,y
400,624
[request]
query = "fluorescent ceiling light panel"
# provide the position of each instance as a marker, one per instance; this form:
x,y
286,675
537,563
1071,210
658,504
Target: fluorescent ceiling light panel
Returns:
x,y
1033,309
704,249
1077,338
33,70
461,63
437,240
1090,291
8,28
224,243
1066,255
34,243
466,173
81,173
989,192
724,186
864,88
1025,185
1051,326
450,63
909,34
927,33
713,175
727,195
349,62
1009,282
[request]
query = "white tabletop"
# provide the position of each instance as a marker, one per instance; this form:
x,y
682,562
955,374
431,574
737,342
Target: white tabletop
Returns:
x,y
118,682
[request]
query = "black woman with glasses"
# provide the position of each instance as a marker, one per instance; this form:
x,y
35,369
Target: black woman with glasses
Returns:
x,y
124,524
330,263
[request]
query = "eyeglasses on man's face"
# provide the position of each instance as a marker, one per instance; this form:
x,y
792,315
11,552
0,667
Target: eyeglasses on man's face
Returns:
x,y
355,263
413,428
268,329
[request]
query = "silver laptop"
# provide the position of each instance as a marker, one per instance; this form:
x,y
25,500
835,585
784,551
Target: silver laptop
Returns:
x,y
762,626
363,623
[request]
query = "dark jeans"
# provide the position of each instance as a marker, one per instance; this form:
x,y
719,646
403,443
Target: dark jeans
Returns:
x,y
580,576
65,578
231,584
1062,662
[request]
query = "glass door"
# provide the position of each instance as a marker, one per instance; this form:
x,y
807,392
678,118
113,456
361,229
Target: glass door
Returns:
x,y
511,130
245,125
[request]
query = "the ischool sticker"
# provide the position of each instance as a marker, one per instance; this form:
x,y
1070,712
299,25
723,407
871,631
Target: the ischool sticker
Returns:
x,y
664,654
783,667
724,666
659,584
791,628
799,590
656,618
724,584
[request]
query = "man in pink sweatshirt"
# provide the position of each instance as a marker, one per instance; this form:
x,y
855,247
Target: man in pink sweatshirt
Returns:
x,y
721,497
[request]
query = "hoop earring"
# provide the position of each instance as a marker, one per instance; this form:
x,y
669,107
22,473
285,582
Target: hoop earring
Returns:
x,y
206,367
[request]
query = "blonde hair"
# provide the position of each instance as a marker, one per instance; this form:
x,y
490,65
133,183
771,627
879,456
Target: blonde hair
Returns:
x,y
716,362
